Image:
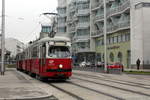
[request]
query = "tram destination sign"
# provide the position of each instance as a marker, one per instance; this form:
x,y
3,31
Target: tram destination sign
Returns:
x,y
60,43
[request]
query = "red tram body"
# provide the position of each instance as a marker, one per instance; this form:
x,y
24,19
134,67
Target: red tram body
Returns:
x,y
47,58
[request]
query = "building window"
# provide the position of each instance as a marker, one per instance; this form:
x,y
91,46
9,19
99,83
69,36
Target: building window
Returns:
x,y
108,40
111,40
115,39
35,52
62,29
111,56
84,19
127,37
119,38
123,38
98,57
120,57
97,43
101,42
83,32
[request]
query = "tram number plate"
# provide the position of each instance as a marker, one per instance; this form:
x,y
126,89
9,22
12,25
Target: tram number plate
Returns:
x,y
60,74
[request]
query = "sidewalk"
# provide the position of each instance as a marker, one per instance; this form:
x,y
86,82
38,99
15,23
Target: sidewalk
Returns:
x,y
143,70
15,86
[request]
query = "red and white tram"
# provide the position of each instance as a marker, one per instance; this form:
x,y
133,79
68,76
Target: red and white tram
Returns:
x,y
47,58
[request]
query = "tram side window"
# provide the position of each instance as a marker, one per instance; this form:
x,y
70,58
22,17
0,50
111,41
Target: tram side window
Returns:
x,y
44,50
35,52
23,56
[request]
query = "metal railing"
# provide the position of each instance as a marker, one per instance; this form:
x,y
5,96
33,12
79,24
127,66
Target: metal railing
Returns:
x,y
111,29
97,33
83,49
72,8
98,18
83,25
72,29
118,26
119,8
83,12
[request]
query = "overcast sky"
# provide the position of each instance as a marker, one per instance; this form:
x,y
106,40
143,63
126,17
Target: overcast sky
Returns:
x,y
23,17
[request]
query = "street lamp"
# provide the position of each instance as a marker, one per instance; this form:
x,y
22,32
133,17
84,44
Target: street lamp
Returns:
x,y
105,37
3,39
105,33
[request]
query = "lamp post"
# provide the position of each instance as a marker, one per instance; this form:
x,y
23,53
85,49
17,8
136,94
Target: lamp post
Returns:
x,y
3,39
105,37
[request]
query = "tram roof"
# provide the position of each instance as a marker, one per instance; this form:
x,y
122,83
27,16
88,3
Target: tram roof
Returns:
x,y
56,38
46,39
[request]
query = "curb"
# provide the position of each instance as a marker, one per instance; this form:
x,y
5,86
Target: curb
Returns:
x,y
48,97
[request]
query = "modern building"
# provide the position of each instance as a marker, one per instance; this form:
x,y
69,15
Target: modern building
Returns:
x,y
13,46
45,30
127,30
74,21
118,30
62,18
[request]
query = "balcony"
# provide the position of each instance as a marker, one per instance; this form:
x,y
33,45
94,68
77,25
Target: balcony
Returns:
x,y
83,49
72,29
83,12
83,25
75,18
83,37
62,15
95,6
61,24
119,9
97,33
109,1
119,26
72,8
98,18
69,20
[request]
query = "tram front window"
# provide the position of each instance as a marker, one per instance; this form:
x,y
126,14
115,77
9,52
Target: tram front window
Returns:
x,y
59,52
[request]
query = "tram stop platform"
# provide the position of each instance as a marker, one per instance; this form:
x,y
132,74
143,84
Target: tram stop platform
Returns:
x,y
15,85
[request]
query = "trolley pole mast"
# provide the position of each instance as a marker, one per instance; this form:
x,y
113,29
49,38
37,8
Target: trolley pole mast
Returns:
x,y
105,37
3,39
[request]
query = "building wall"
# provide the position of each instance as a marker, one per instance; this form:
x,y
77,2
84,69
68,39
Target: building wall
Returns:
x,y
140,22
118,25
146,28
116,47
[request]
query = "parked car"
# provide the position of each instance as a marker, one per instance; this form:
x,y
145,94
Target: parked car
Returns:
x,y
88,64
100,64
85,64
116,65
82,64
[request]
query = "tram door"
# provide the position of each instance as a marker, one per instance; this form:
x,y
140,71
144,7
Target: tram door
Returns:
x,y
42,57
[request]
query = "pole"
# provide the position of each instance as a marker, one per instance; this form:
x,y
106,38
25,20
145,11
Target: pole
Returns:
x,y
3,39
105,37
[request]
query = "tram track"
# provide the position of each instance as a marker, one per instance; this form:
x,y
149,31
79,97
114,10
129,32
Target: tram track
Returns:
x,y
123,82
67,92
103,93
84,87
123,89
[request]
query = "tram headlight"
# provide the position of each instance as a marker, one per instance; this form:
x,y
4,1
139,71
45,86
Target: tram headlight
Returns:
x,y
60,66
51,43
